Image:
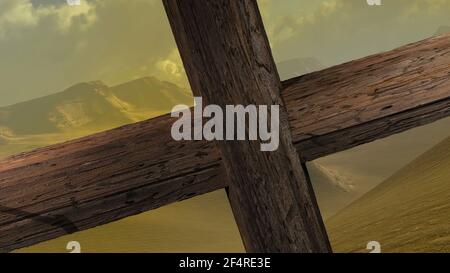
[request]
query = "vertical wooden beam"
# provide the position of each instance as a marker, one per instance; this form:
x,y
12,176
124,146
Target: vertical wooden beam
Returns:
x,y
228,61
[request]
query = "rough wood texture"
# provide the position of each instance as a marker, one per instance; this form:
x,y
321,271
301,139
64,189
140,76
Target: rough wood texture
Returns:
x,y
84,183
228,61
371,98
95,180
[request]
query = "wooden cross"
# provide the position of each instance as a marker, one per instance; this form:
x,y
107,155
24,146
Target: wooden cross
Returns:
x,y
102,178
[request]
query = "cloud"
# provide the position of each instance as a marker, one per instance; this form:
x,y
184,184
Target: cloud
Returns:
x,y
49,46
67,15
118,40
18,14
329,7
424,8
335,31
283,24
172,67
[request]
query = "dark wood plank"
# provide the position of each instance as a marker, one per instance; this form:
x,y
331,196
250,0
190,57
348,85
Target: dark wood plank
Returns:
x,y
65,180
228,61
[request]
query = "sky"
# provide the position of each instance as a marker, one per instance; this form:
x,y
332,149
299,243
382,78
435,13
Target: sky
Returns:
x,y
47,45
335,31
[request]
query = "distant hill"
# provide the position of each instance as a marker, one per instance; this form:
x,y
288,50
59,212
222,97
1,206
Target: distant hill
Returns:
x,y
84,109
94,106
91,106
297,67
409,212
150,97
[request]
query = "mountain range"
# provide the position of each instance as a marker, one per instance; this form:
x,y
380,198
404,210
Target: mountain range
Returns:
x,y
83,109
91,106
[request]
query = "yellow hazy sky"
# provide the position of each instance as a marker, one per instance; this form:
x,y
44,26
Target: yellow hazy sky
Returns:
x,y
47,45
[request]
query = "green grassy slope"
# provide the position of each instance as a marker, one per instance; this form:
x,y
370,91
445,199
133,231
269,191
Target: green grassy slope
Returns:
x,y
409,212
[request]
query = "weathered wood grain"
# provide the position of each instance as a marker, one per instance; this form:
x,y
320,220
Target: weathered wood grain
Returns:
x,y
228,61
74,186
95,180
371,98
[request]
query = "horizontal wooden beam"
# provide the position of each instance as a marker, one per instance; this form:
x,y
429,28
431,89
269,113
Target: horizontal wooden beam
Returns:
x,y
98,179
364,100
